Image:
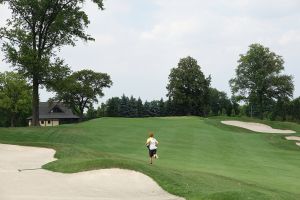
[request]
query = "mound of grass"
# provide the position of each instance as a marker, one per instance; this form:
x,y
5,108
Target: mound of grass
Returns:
x,y
199,158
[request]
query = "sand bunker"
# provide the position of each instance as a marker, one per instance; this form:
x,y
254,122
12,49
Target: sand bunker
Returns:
x,y
257,127
39,184
295,138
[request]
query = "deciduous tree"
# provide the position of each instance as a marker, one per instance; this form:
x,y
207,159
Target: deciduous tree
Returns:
x,y
259,79
81,89
15,95
34,33
188,88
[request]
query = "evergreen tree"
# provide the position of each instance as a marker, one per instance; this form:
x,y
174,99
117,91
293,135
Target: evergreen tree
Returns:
x,y
101,110
162,107
147,109
140,108
113,107
154,109
124,106
132,104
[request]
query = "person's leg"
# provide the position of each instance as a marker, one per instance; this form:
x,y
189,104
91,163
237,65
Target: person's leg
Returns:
x,y
151,156
155,154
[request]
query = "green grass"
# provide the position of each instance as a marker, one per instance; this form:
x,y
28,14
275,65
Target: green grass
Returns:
x,y
199,158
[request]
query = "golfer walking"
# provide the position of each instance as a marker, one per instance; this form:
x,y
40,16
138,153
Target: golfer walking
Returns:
x,y
152,146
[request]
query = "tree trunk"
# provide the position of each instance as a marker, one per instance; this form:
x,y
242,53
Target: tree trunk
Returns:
x,y
35,102
12,120
81,115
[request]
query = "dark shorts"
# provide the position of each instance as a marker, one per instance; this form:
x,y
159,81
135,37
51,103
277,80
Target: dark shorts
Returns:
x,y
152,152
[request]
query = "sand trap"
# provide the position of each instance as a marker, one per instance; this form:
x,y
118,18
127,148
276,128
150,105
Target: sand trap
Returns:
x,y
295,138
257,127
39,184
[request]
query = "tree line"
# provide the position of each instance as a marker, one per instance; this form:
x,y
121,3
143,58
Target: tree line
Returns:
x,y
189,93
37,30
132,107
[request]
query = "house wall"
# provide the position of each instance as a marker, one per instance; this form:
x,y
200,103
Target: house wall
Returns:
x,y
51,122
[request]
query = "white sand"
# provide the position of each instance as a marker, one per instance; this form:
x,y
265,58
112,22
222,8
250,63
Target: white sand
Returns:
x,y
257,127
106,184
295,138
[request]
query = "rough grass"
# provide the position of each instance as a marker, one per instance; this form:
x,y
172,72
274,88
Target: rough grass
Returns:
x,y
199,158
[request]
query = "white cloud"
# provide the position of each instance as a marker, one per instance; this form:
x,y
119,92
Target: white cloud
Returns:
x,y
138,42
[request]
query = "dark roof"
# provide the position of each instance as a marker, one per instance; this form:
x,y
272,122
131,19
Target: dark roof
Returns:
x,y
45,109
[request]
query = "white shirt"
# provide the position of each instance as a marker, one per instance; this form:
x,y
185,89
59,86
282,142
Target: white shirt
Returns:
x,y
152,143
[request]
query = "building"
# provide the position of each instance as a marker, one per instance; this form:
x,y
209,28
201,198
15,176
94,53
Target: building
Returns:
x,y
54,114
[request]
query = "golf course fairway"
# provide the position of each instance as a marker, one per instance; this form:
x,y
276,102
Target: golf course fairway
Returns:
x,y
200,158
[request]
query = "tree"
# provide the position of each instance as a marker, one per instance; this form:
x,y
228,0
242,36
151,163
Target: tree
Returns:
x,y
147,109
15,95
113,107
219,102
91,113
101,110
133,112
259,80
162,107
35,32
188,88
140,108
81,89
295,109
124,106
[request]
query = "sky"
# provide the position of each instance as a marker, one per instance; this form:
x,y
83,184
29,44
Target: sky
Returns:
x,y
138,42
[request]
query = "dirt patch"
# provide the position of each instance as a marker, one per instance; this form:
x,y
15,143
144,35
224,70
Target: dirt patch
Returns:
x,y
22,179
257,127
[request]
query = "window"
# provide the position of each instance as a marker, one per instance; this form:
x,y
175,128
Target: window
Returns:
x,y
56,109
42,122
49,122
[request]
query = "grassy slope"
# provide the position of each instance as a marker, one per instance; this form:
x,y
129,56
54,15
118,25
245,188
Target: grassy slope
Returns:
x,y
199,158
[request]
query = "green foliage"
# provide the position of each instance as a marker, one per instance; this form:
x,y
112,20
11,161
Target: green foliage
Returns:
x,y
200,159
81,89
132,107
101,110
286,110
188,89
113,107
259,80
220,103
15,98
91,113
295,109
35,32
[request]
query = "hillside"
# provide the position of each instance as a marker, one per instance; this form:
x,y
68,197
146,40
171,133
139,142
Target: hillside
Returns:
x,y
199,158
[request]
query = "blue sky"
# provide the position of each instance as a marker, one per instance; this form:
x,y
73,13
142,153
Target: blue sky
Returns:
x,y
138,42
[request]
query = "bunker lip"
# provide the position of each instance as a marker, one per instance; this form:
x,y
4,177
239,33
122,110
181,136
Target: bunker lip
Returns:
x,y
257,127
37,183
